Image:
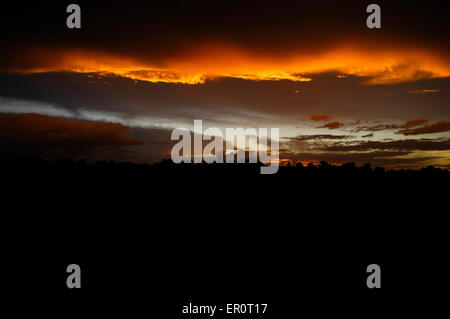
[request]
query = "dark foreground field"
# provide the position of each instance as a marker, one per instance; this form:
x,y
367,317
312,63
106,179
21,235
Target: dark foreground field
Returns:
x,y
150,239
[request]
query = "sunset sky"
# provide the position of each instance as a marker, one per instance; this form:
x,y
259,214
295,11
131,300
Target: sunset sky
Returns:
x,y
338,91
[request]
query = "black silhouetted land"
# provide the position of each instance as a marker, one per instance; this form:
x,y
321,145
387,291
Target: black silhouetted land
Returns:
x,y
225,230
79,177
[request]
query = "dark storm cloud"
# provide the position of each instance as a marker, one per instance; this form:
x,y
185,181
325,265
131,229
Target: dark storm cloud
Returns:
x,y
441,126
319,137
320,117
409,127
414,123
376,128
40,135
155,29
331,125
326,93
407,145
384,127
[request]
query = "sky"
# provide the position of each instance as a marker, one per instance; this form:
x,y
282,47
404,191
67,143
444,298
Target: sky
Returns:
x,y
117,87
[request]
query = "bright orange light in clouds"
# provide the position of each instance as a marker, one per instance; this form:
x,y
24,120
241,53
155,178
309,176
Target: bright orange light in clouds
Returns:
x,y
382,66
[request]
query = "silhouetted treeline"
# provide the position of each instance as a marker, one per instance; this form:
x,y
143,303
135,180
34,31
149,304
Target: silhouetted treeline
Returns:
x,y
69,176
34,165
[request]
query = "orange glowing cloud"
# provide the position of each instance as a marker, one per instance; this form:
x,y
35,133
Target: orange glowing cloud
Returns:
x,y
382,66
425,91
